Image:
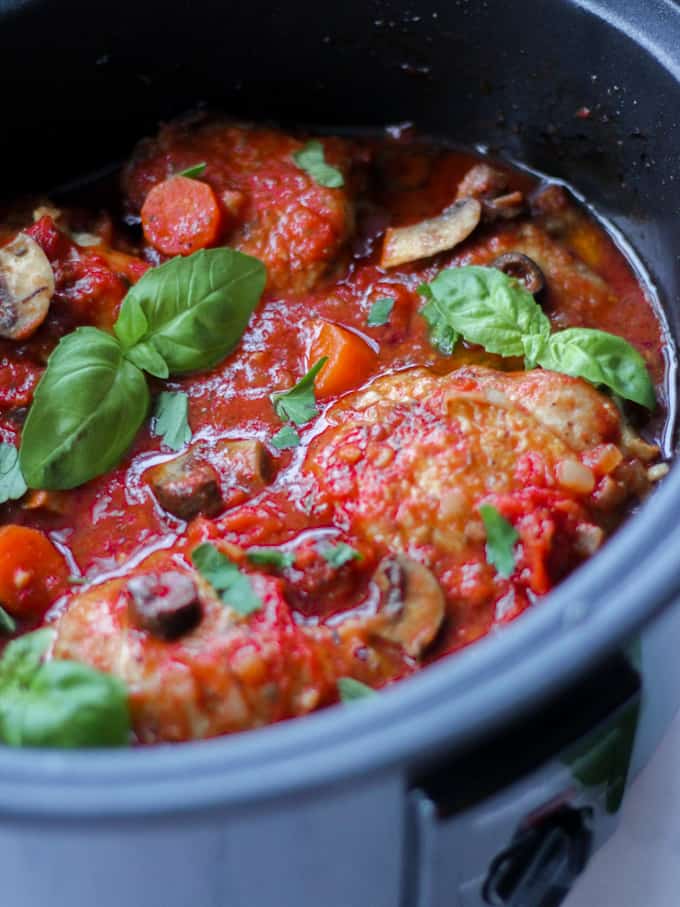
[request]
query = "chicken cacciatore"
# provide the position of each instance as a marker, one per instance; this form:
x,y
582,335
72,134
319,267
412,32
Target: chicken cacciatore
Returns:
x,y
286,418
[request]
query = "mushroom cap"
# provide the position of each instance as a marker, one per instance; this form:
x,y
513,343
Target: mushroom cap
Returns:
x,y
26,287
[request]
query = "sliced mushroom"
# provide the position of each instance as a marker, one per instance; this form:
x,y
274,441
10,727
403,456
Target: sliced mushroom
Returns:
x,y
482,181
26,287
489,186
411,603
437,234
245,464
522,268
192,484
503,207
166,604
187,486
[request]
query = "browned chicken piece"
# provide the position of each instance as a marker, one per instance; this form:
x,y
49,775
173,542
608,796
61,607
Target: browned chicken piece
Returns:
x,y
408,460
272,208
226,672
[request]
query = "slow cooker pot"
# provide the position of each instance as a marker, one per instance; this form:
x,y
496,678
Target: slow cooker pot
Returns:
x,y
492,776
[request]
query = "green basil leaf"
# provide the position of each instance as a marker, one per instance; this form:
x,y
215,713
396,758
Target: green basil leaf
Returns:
x,y
7,623
351,690
501,537
286,438
486,307
87,409
600,358
234,587
274,557
337,555
380,312
22,658
442,336
299,403
193,172
58,703
171,419
311,159
192,310
147,357
12,484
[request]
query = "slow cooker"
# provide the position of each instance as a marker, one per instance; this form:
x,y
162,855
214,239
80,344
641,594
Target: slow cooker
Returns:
x,y
491,777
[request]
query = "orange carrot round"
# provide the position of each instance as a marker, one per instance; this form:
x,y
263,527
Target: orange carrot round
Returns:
x,y
350,359
32,572
181,216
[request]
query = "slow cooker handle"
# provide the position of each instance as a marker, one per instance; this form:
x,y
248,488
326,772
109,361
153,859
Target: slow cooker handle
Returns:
x,y
524,843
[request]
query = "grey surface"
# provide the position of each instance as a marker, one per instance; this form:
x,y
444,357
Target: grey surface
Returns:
x,y
640,865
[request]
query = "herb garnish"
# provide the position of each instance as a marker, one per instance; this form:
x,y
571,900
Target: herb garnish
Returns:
x,y
491,309
501,537
299,403
58,703
234,587
193,172
12,484
274,557
170,419
311,159
286,438
7,623
380,312
337,555
185,315
352,690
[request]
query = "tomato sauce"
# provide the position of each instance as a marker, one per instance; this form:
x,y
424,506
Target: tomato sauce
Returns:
x,y
110,525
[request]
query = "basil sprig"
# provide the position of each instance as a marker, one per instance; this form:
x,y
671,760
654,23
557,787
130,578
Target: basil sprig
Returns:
x,y
58,703
185,315
489,308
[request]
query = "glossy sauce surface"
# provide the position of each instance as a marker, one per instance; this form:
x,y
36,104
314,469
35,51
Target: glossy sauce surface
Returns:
x,y
109,526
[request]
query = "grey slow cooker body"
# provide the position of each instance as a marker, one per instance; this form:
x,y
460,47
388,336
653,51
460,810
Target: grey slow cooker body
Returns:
x,y
406,801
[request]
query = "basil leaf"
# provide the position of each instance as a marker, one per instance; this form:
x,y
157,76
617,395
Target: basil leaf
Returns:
x,y
486,307
87,409
311,159
600,358
337,555
58,703
299,403
234,587
501,537
192,311
352,690
7,623
380,312
271,556
286,438
193,172
442,336
147,357
12,484
170,419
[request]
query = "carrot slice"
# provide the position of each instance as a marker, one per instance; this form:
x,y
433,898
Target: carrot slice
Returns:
x,y
181,216
32,572
350,359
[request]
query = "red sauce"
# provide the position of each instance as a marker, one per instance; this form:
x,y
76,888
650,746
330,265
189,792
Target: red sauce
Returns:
x,y
113,522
